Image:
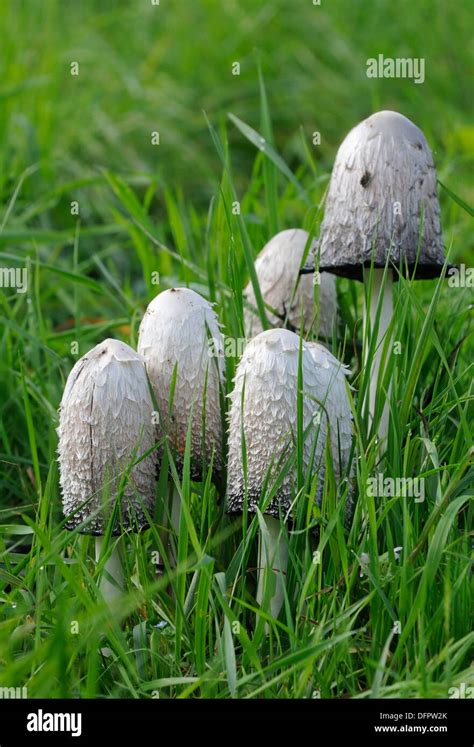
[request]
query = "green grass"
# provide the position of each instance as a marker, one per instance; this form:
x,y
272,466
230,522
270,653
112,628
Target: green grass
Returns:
x,y
167,209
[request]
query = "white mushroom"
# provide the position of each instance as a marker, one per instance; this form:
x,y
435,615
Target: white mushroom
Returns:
x,y
284,290
105,426
263,416
382,208
180,335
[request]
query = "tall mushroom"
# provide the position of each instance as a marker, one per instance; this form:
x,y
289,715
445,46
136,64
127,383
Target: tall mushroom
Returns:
x,y
284,290
263,425
180,336
382,210
105,428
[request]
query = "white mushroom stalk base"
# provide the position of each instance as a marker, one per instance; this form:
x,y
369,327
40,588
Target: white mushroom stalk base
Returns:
x,y
386,312
272,563
113,568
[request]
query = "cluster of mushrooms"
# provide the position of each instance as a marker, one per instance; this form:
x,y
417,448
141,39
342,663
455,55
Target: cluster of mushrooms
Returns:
x,y
120,406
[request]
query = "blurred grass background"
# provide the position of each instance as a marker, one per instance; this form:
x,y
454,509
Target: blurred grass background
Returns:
x,y
145,68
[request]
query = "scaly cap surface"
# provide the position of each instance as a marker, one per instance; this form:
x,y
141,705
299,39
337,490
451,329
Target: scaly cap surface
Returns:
x,y
105,415
176,332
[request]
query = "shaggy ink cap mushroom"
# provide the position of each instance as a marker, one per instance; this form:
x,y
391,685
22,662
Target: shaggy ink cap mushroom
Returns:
x,y
105,426
180,330
277,267
264,408
382,189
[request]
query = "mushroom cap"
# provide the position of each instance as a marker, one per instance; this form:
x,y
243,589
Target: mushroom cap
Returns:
x,y
267,381
105,424
383,184
175,332
277,267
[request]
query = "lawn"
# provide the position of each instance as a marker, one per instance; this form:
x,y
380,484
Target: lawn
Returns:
x,y
124,149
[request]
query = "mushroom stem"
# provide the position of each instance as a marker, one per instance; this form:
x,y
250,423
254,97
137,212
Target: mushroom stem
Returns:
x,y
386,312
113,567
273,556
